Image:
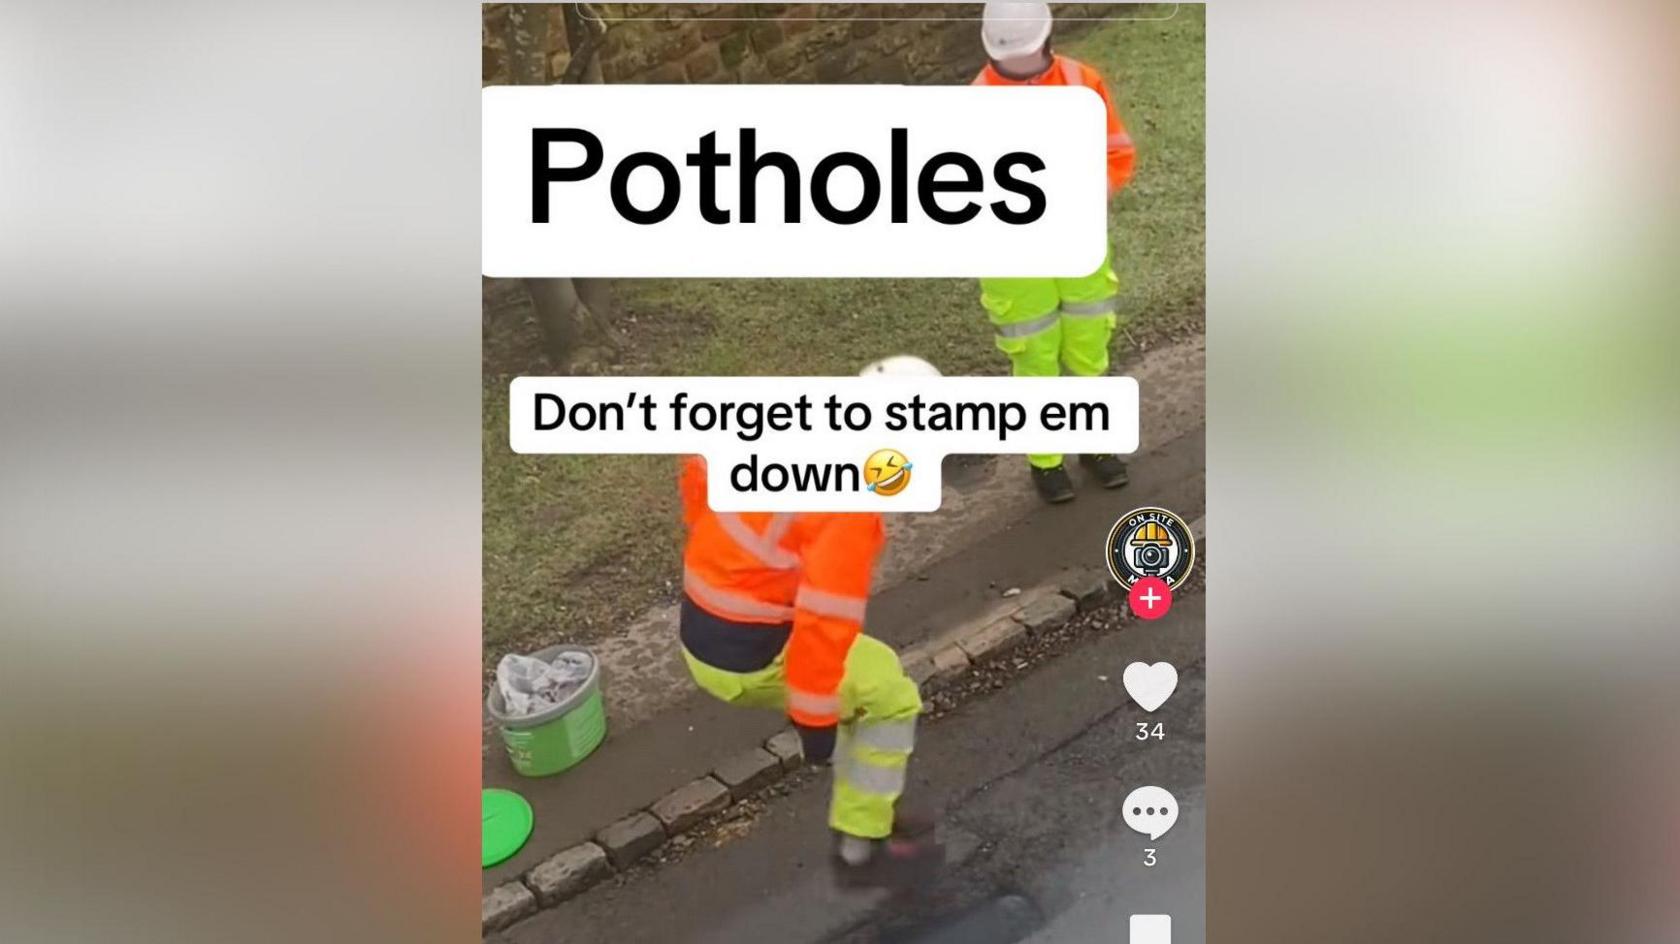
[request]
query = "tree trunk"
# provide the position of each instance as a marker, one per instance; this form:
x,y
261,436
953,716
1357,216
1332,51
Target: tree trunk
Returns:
x,y
583,41
526,43
561,310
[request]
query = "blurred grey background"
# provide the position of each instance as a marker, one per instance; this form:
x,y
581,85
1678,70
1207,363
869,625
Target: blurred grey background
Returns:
x,y
239,482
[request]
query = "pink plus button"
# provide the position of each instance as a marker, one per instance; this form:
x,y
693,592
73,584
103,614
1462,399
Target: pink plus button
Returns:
x,y
1150,598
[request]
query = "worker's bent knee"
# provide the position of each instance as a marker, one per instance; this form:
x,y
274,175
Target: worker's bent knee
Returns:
x,y
875,682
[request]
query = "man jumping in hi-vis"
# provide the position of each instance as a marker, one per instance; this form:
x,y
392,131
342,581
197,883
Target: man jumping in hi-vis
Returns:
x,y
772,617
1045,324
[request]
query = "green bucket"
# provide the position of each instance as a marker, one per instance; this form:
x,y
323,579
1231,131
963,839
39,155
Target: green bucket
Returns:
x,y
551,741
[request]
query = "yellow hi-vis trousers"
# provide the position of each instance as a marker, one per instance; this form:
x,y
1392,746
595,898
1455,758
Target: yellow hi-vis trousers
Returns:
x,y
878,709
1043,324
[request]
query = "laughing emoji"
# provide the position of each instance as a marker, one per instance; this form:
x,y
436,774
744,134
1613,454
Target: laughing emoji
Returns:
x,y
886,472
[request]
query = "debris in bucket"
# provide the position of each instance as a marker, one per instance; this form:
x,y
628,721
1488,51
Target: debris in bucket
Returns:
x,y
530,686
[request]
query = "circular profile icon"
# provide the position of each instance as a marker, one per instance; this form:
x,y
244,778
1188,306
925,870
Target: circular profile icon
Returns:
x,y
1150,542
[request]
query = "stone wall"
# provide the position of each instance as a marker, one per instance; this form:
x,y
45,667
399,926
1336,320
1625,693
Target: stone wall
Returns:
x,y
762,43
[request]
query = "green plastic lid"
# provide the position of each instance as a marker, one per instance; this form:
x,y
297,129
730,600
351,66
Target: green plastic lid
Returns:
x,y
507,824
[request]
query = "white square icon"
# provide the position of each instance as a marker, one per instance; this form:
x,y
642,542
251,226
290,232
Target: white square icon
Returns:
x,y
1151,929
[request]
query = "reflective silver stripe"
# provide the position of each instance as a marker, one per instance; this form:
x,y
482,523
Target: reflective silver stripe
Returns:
x,y
1022,329
1070,73
868,778
825,705
887,735
761,546
727,603
779,524
1088,309
1119,140
823,603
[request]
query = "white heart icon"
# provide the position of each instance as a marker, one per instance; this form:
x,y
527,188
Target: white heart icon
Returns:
x,y
1150,685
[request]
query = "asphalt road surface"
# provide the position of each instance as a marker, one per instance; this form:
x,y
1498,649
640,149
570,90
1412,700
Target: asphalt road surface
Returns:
x,y
1031,779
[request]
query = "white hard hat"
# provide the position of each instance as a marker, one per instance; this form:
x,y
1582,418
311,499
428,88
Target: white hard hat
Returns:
x,y
900,365
1013,30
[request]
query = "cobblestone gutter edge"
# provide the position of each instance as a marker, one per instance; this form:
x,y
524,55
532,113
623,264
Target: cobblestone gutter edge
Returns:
x,y
934,663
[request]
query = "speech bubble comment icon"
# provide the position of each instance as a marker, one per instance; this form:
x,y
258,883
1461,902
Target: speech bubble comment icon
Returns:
x,y
1151,811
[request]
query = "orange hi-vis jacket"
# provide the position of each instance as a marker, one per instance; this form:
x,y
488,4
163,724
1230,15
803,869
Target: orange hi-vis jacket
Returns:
x,y
1065,71
762,580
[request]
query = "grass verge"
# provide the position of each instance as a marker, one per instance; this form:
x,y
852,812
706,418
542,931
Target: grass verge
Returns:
x,y
574,546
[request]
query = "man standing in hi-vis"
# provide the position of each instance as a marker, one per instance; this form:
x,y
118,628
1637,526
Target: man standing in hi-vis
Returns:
x,y
1044,324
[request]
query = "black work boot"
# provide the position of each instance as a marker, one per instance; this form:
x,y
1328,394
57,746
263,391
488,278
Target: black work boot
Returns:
x,y
1053,484
1109,469
897,862
911,820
